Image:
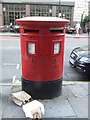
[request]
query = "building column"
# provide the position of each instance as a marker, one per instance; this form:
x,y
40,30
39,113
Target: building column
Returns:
x,y
1,15
54,11
27,10
72,17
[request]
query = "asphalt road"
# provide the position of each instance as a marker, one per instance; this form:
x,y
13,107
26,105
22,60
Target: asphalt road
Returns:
x,y
69,73
11,64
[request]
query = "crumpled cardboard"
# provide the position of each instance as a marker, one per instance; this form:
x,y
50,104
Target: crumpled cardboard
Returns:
x,y
33,109
21,98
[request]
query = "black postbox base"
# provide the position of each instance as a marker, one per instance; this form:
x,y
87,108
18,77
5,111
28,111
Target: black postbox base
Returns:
x,y
42,89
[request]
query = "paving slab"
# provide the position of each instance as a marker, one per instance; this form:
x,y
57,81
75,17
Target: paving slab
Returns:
x,y
58,108
78,91
12,110
80,106
77,96
85,86
67,92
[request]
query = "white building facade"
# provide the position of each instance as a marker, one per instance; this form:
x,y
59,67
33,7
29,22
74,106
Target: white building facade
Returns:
x,y
80,7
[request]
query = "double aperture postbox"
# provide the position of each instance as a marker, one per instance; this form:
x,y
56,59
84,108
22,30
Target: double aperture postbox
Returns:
x,y
42,55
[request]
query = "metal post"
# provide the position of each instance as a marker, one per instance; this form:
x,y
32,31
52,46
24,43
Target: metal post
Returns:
x,y
59,15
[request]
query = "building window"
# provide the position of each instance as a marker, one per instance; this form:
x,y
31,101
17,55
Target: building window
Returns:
x,y
40,10
11,12
66,12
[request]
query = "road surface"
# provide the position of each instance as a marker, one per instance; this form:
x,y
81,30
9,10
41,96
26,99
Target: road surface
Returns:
x,y
10,58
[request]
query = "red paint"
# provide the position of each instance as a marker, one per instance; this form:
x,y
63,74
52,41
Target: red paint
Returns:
x,y
44,65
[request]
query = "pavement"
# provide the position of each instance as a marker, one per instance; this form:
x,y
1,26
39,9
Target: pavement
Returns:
x,y
73,102
84,35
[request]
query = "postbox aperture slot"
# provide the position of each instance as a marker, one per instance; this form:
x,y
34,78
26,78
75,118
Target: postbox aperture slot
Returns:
x,y
31,48
57,47
55,31
30,31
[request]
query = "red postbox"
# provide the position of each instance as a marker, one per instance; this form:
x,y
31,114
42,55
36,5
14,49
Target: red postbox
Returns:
x,y
42,52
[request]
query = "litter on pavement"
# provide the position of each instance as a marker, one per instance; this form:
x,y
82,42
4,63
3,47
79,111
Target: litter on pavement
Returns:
x,y
32,108
16,81
21,98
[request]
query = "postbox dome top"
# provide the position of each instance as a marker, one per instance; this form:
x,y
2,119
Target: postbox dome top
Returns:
x,y
42,22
